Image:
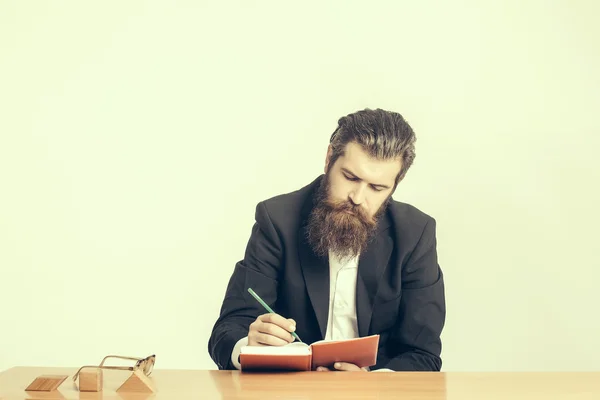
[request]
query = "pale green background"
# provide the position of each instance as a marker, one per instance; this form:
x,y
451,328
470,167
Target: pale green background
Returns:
x,y
137,137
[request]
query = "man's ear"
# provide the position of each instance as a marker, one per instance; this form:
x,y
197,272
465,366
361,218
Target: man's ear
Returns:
x,y
328,157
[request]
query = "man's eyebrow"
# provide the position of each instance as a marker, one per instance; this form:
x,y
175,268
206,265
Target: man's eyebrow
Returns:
x,y
353,175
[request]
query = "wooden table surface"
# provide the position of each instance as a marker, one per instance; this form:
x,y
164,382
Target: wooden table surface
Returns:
x,y
212,384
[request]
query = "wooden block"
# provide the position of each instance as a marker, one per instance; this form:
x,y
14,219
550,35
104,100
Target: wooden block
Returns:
x,y
137,383
90,380
46,383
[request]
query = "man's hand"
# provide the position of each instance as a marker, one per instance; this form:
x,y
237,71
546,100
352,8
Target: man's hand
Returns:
x,y
271,330
343,366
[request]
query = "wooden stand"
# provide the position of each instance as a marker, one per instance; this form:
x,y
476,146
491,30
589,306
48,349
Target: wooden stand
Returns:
x,y
90,380
137,383
46,383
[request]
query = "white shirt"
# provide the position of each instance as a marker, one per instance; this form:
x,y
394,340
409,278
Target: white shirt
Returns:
x,y
341,321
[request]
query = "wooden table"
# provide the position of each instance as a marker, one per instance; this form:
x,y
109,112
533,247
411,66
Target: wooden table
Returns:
x,y
212,384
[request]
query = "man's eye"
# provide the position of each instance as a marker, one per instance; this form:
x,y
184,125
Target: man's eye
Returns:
x,y
350,178
377,189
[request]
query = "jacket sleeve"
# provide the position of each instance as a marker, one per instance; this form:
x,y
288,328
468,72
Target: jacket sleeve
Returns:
x,y
415,343
258,270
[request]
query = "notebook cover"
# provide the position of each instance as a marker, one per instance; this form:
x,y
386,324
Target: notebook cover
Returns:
x,y
279,362
361,352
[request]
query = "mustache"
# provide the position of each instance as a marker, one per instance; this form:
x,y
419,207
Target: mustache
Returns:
x,y
347,208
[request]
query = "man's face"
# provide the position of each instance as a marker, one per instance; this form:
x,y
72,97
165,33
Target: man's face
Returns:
x,y
349,201
359,179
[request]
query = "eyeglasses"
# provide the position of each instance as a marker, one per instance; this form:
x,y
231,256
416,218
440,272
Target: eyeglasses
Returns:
x,y
144,364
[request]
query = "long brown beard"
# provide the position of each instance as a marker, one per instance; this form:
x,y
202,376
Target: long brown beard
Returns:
x,y
339,226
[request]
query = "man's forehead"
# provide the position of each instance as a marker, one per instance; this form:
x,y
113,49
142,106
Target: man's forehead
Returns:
x,y
361,164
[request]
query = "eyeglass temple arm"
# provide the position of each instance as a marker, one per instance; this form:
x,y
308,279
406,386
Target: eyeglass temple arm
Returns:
x,y
101,367
121,357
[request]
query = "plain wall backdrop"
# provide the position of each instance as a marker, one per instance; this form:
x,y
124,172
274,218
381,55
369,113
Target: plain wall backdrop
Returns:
x,y
137,137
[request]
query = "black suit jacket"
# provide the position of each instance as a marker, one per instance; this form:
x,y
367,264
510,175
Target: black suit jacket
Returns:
x,y
399,290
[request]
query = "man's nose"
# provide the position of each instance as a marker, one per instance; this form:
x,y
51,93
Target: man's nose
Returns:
x,y
357,196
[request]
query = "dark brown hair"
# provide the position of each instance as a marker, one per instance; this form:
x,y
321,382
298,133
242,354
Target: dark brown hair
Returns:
x,y
384,135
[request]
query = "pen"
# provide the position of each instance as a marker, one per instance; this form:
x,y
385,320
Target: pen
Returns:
x,y
265,305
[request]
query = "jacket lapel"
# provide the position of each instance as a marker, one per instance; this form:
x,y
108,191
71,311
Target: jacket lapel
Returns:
x,y
316,276
371,265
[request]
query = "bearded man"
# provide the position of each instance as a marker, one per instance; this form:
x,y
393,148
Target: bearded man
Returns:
x,y
340,259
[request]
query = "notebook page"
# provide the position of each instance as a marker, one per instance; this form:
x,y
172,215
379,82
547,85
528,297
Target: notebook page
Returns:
x,y
295,348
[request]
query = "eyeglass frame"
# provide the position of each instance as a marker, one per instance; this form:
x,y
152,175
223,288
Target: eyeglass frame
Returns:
x,y
139,365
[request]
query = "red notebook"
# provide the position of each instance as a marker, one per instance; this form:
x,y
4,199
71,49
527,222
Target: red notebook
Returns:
x,y
298,356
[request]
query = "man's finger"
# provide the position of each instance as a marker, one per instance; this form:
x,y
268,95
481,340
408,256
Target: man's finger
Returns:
x,y
279,321
343,366
269,340
322,369
274,330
